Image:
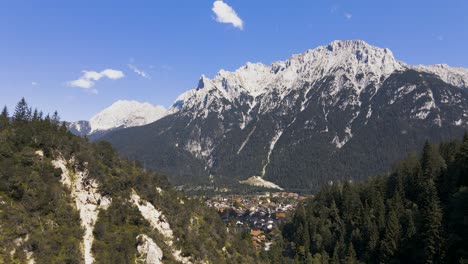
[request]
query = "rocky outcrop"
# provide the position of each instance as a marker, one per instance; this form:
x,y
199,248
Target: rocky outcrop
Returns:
x,y
148,251
159,222
88,200
21,243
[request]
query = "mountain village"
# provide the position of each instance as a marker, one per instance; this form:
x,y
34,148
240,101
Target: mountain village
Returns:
x,y
261,214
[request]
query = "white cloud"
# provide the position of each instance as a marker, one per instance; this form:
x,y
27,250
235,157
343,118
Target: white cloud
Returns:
x,y
89,78
112,74
139,72
34,83
82,83
348,15
91,75
226,14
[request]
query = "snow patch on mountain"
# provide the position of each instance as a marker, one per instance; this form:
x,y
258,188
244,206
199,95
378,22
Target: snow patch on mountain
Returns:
x,y
425,109
246,140
340,143
123,114
402,91
275,139
369,114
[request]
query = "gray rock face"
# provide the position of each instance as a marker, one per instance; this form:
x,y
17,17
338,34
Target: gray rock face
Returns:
x,y
149,252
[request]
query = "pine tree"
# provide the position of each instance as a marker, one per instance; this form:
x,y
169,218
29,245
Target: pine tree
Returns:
x,y
325,257
432,162
335,257
391,242
337,223
432,232
372,236
4,121
410,227
35,116
411,171
431,211
55,118
351,255
377,203
276,251
461,162
29,113
301,234
316,259
4,112
352,206
22,111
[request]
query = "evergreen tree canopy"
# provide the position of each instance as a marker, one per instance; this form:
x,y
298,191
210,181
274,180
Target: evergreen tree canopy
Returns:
x,y
415,214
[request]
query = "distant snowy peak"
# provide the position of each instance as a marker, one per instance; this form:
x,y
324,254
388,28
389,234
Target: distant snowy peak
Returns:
x,y
123,114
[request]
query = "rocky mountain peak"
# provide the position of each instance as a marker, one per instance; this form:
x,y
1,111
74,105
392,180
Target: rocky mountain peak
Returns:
x,y
357,60
347,57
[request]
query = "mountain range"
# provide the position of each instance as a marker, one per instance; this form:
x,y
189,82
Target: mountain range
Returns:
x,y
343,111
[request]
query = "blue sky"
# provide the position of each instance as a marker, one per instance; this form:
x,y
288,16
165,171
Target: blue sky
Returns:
x,y
45,44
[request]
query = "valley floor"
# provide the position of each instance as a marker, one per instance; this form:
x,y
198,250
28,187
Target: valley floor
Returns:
x,y
261,214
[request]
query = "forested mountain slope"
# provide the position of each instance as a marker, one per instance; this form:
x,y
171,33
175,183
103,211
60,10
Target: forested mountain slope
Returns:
x,y
66,200
416,214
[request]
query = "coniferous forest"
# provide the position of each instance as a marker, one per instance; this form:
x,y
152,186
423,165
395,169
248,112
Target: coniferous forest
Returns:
x,y
416,214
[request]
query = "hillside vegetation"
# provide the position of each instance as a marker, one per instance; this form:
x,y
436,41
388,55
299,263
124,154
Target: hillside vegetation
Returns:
x,y
416,214
40,220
